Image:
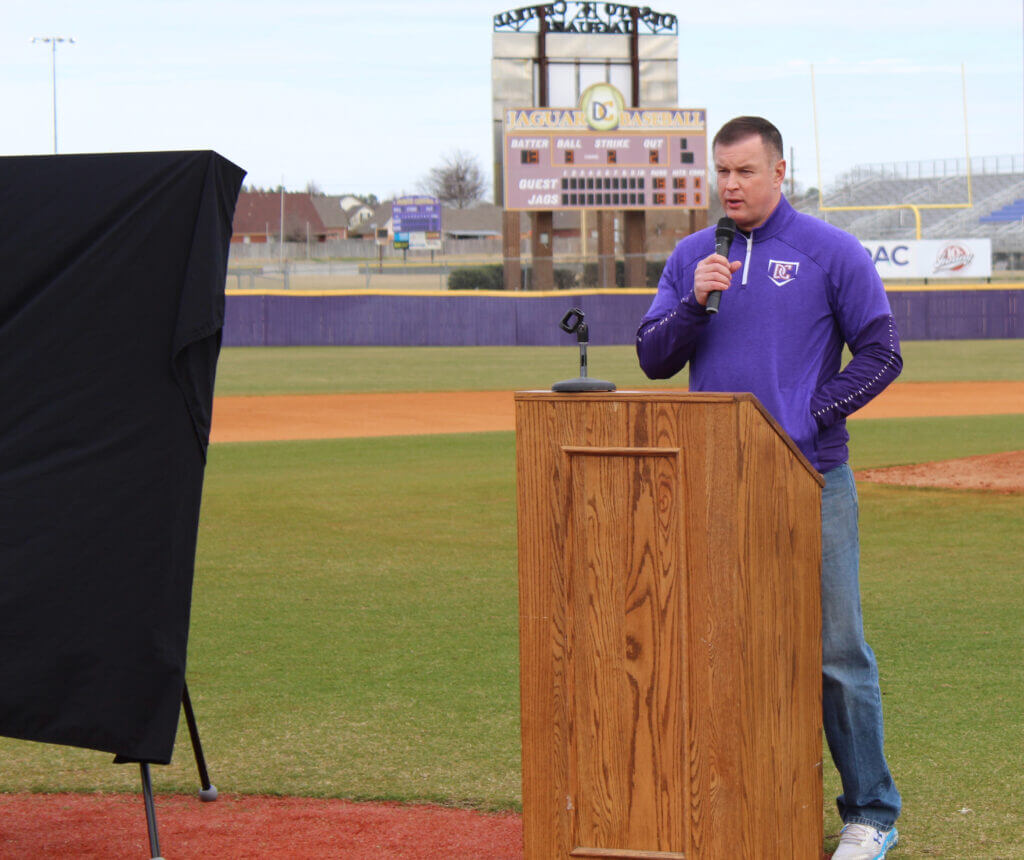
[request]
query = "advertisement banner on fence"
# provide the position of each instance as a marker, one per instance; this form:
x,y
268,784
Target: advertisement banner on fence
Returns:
x,y
932,258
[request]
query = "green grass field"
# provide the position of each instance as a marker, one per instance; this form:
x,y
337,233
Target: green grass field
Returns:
x,y
354,614
326,370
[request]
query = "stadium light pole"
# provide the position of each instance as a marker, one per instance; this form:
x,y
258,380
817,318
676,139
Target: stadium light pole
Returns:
x,y
52,41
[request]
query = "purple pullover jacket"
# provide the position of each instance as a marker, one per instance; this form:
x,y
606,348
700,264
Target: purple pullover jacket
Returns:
x,y
804,290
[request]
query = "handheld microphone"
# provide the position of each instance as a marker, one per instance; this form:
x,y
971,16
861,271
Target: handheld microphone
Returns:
x,y
724,234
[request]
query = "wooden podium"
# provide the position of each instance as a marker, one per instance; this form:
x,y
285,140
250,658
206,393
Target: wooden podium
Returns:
x,y
670,629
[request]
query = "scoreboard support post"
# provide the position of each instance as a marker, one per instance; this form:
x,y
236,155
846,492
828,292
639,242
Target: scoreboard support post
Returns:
x,y
634,240
605,249
541,242
511,239
698,219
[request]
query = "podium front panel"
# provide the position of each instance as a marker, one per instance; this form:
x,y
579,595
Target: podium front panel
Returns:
x,y
669,563
625,611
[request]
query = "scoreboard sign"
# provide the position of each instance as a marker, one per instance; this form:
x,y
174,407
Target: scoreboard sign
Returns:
x,y
416,222
603,155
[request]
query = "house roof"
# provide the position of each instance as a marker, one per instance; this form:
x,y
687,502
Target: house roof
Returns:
x,y
483,219
330,209
350,202
260,212
380,216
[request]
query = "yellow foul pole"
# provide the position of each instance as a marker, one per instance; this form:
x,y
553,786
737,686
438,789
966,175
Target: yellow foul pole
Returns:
x,y
817,147
913,207
967,143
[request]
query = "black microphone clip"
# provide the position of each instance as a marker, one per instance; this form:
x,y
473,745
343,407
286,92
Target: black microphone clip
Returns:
x,y
571,323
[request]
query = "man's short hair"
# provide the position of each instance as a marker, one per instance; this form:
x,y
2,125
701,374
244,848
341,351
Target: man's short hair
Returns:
x,y
742,127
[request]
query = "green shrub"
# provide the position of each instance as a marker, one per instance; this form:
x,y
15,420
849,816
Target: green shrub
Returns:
x,y
491,277
477,278
565,279
654,269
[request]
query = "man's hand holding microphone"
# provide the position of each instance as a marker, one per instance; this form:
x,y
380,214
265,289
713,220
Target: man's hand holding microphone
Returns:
x,y
713,274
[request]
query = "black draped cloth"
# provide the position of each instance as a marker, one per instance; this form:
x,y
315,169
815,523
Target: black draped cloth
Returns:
x,y
112,271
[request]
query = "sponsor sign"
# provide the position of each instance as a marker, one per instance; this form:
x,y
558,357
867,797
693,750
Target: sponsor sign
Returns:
x,y
423,239
604,155
932,258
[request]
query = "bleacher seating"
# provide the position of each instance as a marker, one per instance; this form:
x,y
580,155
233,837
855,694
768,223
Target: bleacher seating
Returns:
x,y
997,211
1011,212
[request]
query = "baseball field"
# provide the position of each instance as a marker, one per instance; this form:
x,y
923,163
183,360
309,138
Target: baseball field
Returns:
x,y
354,624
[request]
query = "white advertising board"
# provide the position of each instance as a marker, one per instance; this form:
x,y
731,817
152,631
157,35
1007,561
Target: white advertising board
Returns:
x,y
931,258
429,240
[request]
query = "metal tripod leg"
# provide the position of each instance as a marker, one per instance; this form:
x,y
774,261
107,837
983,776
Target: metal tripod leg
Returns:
x,y
208,791
147,794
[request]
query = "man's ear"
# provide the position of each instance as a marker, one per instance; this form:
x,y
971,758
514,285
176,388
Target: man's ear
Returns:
x,y
780,172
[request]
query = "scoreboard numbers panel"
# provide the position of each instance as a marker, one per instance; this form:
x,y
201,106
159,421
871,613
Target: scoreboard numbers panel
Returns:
x,y
553,160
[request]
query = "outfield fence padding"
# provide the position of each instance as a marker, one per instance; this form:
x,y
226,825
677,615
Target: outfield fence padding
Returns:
x,y
359,318
976,314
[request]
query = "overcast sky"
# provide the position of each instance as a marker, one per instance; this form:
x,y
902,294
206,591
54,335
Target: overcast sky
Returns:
x,y
367,97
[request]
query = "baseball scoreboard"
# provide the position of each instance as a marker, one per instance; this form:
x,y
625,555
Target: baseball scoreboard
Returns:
x,y
416,222
605,156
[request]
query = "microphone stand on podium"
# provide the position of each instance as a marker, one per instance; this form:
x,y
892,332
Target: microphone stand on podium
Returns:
x,y
573,322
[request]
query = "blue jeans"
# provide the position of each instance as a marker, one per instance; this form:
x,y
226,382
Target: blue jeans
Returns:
x,y
851,699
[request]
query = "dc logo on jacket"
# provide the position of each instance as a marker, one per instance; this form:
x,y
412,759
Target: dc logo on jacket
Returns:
x,y
781,272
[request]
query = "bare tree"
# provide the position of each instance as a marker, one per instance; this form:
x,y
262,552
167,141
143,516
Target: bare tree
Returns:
x,y
457,180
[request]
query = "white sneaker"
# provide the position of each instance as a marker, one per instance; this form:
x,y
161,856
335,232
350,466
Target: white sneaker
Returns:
x,y
864,842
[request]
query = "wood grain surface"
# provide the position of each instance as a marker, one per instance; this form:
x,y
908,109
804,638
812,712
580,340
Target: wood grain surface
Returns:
x,y
669,550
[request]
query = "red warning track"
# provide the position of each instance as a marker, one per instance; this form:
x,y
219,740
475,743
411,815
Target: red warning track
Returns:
x,y
45,826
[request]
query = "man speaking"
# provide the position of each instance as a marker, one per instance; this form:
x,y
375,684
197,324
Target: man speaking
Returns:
x,y
788,295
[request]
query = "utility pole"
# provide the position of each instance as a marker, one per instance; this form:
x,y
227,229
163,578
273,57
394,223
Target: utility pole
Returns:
x,y
52,41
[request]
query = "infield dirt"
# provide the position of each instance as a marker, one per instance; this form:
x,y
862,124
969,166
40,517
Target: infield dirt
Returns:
x,y
337,416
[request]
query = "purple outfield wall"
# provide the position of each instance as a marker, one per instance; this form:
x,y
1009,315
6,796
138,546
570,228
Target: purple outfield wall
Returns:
x,y
531,319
